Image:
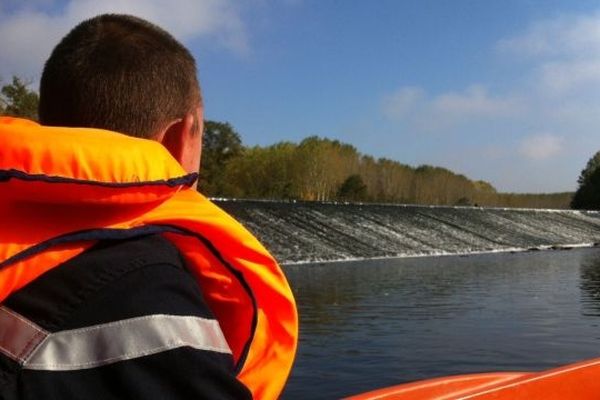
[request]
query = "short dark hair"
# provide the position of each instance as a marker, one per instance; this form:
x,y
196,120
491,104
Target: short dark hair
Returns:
x,y
121,73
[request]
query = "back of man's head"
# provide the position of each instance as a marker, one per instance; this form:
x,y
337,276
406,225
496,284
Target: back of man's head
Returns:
x,y
121,73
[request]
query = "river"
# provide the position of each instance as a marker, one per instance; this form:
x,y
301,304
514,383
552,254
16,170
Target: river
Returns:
x,y
369,324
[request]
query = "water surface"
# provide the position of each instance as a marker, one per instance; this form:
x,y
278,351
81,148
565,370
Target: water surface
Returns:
x,y
371,324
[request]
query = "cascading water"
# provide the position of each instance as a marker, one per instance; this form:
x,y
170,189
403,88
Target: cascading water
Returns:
x,y
304,232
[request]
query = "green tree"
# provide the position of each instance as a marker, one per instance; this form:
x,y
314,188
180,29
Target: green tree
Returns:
x,y
353,189
463,201
16,100
324,164
220,144
591,166
264,172
587,195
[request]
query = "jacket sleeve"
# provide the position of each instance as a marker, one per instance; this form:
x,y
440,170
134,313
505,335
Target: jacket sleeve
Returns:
x,y
182,372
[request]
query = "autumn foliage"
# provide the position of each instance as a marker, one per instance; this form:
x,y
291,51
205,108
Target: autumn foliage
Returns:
x,y
321,169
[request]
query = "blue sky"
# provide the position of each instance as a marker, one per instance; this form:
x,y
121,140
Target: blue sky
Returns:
x,y
507,91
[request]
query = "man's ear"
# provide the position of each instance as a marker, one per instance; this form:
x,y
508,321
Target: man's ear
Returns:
x,y
182,141
173,137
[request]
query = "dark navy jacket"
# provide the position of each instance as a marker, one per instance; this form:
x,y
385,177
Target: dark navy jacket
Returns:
x,y
119,281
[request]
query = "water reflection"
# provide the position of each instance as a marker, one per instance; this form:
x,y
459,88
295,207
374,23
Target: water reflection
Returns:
x,y
590,286
371,324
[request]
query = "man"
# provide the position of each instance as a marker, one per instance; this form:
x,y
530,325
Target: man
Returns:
x,y
118,279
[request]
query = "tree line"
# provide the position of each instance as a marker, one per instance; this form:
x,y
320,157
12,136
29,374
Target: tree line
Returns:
x,y
321,169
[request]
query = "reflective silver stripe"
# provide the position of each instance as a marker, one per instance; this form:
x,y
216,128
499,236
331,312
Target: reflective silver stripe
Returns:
x,y
124,340
104,344
18,336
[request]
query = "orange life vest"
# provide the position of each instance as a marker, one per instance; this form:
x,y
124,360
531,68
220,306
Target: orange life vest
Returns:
x,y
62,189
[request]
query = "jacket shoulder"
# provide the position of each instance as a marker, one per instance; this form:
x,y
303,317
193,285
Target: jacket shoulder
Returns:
x,y
114,280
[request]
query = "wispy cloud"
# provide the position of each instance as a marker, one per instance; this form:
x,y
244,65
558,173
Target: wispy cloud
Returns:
x,y
403,102
564,36
565,52
559,78
28,31
540,147
474,101
445,110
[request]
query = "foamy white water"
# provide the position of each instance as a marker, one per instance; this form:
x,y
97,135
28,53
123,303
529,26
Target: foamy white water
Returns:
x,y
307,232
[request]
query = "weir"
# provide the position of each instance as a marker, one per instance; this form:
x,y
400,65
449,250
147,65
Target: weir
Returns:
x,y
309,232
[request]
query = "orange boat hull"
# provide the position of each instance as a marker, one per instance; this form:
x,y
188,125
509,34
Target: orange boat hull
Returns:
x,y
574,381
